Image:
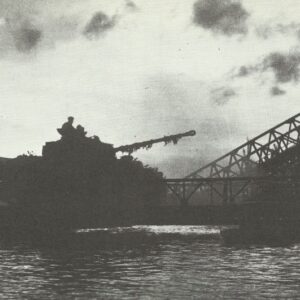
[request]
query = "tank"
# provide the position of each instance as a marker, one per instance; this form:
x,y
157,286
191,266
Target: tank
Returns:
x,y
79,182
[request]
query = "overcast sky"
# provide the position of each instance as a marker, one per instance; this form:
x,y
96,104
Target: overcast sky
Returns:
x,y
135,70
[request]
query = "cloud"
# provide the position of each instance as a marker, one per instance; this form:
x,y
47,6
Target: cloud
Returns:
x,y
267,31
19,35
222,96
245,71
26,25
276,91
221,16
131,5
27,38
98,24
285,67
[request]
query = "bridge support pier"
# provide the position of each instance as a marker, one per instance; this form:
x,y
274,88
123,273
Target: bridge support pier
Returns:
x,y
183,200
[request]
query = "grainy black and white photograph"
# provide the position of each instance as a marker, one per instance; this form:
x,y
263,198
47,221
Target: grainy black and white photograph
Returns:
x,y
149,149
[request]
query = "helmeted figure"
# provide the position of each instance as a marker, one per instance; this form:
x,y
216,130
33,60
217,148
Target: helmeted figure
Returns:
x,y
80,132
67,130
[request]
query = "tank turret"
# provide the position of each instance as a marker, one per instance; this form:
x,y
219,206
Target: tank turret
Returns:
x,y
93,147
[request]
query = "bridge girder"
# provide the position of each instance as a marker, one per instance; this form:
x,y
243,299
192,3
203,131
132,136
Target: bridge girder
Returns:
x,y
242,160
247,169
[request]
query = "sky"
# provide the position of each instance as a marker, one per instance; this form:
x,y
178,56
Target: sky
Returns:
x,y
134,70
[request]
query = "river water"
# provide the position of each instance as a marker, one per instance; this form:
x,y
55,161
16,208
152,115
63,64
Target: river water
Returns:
x,y
148,262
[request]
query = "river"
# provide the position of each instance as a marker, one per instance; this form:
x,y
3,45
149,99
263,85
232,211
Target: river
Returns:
x,y
148,262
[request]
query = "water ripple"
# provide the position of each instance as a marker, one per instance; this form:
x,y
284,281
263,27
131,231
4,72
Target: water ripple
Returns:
x,y
150,262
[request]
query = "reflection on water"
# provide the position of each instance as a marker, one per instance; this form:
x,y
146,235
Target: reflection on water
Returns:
x,y
148,262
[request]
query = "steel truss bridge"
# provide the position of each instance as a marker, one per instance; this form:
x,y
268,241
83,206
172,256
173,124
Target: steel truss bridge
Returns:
x,y
266,162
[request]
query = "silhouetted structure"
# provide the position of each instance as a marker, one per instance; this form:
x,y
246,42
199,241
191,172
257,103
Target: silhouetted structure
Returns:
x,y
67,130
79,182
260,179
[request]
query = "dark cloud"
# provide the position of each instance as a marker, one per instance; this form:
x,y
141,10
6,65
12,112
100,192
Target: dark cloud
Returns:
x,y
131,5
19,35
26,25
26,38
276,91
221,96
245,71
285,67
98,24
222,16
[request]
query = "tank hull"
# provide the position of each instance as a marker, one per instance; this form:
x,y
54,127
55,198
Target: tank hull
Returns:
x,y
76,187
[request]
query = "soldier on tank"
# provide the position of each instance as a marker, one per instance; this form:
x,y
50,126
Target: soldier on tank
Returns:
x,y
67,130
80,131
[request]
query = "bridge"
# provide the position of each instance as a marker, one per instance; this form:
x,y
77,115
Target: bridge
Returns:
x,y
262,167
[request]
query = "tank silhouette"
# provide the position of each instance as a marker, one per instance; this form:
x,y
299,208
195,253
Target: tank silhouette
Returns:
x,y
79,182
82,145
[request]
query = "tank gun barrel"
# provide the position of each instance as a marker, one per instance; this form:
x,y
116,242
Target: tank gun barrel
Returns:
x,y
148,144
